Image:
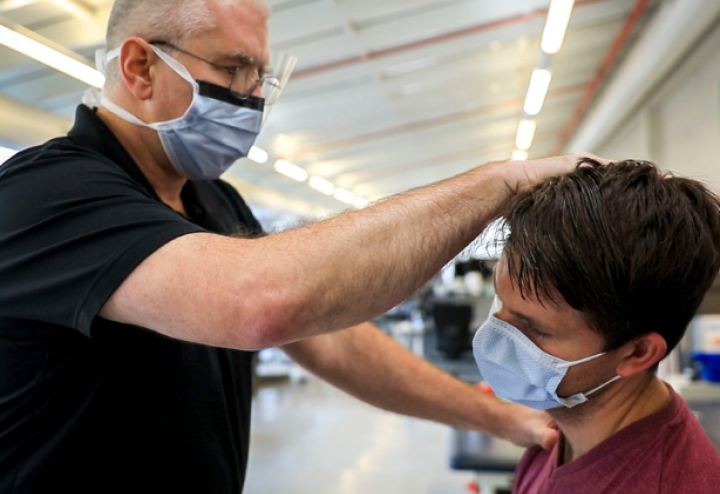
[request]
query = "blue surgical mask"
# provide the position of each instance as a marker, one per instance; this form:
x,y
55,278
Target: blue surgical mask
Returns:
x,y
517,370
211,135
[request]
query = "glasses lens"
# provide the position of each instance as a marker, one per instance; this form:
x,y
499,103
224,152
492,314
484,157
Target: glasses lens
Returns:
x,y
245,79
243,82
282,64
271,90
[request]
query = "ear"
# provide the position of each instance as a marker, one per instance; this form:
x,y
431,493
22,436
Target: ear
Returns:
x,y
641,354
136,61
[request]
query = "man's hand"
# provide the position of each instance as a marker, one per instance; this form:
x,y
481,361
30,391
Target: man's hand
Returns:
x,y
528,427
521,175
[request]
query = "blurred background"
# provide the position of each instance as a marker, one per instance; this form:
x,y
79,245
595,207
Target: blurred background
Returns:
x,y
388,95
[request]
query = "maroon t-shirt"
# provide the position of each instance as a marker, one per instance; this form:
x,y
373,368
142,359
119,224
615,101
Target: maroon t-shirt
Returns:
x,y
666,452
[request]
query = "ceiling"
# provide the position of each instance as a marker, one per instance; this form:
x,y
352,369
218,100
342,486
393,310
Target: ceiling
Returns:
x,y
387,94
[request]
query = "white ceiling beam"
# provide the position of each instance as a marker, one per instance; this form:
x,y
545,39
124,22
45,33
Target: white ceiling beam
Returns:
x,y
76,9
664,42
8,5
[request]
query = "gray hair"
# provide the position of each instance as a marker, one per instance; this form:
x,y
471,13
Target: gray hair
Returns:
x,y
169,20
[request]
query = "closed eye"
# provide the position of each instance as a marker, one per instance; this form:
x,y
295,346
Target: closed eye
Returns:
x,y
539,333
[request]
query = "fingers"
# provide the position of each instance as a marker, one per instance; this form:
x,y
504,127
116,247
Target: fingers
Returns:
x,y
521,175
602,161
549,439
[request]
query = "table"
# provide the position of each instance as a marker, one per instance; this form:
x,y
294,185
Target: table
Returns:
x,y
493,460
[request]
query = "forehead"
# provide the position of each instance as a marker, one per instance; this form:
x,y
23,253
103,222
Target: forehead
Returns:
x,y
240,29
557,316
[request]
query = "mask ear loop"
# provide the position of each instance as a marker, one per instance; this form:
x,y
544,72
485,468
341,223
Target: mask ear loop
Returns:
x,y
602,385
179,68
565,365
496,306
92,97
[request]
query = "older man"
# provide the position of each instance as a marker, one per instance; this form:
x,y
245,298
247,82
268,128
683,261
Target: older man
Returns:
x,y
129,310
601,274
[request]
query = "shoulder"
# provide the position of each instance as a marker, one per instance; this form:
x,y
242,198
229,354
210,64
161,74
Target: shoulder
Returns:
x,y
58,163
690,459
60,182
63,174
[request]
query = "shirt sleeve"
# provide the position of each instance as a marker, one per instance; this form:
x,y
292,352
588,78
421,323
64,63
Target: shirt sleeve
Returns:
x,y
73,226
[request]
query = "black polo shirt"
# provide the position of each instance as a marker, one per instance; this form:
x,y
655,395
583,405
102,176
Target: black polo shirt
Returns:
x,y
88,405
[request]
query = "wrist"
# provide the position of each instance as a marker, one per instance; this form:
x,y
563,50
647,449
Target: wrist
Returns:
x,y
504,419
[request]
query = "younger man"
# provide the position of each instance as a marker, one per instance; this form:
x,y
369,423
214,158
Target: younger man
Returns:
x,y
601,273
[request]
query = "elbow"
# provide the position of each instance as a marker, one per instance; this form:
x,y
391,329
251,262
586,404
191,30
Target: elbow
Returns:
x,y
261,322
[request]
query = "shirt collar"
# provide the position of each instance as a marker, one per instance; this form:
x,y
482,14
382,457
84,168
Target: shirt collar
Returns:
x,y
90,131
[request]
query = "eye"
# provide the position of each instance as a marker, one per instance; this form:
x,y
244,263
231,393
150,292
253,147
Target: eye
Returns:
x,y
231,70
539,333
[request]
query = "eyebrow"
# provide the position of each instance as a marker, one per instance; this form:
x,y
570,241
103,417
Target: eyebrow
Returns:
x,y
530,320
240,57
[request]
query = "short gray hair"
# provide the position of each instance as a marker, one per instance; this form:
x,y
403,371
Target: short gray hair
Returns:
x,y
168,20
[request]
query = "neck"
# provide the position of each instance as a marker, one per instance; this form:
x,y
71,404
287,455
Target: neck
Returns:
x,y
144,147
611,410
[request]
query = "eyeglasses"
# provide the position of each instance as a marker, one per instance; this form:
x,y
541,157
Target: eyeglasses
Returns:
x,y
244,78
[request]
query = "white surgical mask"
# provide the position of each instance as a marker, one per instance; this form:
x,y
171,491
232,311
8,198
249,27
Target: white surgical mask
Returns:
x,y
212,133
516,369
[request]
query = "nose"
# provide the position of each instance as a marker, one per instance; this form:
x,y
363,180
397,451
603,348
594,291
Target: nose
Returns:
x,y
257,90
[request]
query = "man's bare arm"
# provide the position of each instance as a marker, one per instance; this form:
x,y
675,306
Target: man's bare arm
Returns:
x,y
334,274
371,366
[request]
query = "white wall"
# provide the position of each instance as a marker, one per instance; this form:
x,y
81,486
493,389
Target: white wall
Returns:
x,y
678,127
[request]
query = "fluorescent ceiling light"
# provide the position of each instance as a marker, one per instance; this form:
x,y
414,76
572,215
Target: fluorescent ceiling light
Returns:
x,y
322,185
22,41
6,154
258,155
360,203
290,170
344,195
556,25
519,155
539,84
525,134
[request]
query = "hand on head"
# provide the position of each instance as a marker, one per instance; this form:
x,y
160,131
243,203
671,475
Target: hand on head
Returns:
x,y
521,175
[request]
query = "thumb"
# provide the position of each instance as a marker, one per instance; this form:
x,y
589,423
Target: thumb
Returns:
x,y
548,438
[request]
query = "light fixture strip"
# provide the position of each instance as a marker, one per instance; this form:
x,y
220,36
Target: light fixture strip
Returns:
x,y
556,25
258,155
525,134
344,195
291,170
518,155
537,91
321,185
46,52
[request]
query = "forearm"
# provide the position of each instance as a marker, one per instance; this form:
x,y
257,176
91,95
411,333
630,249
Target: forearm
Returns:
x,y
353,267
369,365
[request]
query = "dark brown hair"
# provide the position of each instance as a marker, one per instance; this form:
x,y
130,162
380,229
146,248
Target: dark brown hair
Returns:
x,y
632,249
